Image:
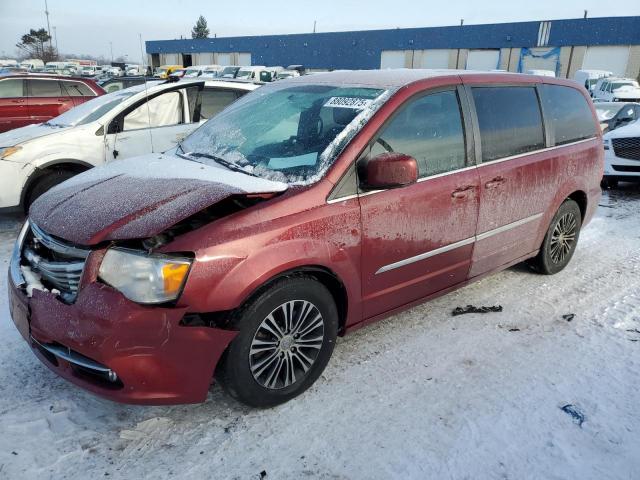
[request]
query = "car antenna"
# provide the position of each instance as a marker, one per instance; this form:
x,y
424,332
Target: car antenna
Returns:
x,y
146,93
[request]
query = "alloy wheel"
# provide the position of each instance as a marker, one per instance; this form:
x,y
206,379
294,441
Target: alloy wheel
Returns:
x,y
563,237
286,344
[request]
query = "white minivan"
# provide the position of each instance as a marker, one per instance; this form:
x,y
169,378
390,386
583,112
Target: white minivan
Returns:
x,y
127,123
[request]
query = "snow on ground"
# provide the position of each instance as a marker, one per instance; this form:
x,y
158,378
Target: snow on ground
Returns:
x,y
420,395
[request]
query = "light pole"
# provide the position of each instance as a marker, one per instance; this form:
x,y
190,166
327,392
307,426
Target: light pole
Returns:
x,y
46,12
111,48
55,37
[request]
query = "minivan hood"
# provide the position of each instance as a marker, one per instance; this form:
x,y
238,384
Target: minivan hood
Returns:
x,y
23,134
138,197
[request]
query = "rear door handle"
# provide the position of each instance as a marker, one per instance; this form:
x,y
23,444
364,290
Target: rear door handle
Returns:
x,y
495,182
462,192
18,100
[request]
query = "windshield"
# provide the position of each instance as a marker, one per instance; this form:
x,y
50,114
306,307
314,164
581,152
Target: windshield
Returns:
x,y
606,111
616,85
229,71
192,72
243,73
91,110
284,132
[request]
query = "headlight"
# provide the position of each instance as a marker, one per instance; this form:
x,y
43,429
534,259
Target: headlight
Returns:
x,y
7,151
144,278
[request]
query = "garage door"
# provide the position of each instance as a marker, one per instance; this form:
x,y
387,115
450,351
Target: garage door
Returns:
x,y
244,59
612,59
431,59
483,60
392,59
224,59
540,59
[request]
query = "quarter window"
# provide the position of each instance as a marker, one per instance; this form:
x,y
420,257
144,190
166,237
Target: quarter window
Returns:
x,y
509,119
430,130
11,88
77,89
45,88
567,113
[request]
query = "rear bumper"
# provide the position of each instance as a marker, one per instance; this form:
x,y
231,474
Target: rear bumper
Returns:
x,y
155,360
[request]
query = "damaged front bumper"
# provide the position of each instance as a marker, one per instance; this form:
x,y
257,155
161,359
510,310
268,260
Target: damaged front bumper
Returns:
x,y
116,348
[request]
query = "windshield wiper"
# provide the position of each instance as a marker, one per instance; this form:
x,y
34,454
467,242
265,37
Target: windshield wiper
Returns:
x,y
225,163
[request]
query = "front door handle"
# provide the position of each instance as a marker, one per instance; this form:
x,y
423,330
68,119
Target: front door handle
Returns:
x,y
462,192
495,182
18,100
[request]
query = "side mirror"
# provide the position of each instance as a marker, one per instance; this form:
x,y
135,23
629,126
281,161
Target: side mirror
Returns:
x,y
387,170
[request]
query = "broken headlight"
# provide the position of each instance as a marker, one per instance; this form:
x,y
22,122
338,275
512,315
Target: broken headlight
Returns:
x,y
144,278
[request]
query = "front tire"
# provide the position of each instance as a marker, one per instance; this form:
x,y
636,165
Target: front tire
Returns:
x,y
560,240
44,184
287,335
608,183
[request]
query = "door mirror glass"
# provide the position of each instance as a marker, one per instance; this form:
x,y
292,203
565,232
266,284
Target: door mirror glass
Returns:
x,y
388,170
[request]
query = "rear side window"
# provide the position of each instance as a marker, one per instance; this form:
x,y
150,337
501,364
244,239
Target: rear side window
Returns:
x,y
509,119
11,88
214,101
45,88
568,114
430,130
77,89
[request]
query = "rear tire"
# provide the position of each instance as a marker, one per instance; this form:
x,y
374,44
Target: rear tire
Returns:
x,y
287,335
44,184
560,240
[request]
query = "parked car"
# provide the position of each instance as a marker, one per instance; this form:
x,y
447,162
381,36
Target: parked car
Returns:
x,y
283,74
307,209
113,84
258,73
32,64
166,70
31,98
200,70
114,126
612,89
616,114
622,154
589,78
542,73
230,71
178,72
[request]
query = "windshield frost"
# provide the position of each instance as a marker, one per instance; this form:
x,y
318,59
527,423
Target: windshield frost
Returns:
x,y
290,133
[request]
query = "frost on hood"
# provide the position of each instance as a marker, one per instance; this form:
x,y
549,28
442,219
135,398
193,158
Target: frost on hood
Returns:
x,y
286,134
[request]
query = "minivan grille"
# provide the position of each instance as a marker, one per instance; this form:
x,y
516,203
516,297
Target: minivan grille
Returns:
x,y
627,147
58,263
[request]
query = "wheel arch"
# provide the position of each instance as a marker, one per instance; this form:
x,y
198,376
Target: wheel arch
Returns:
x,y
77,166
322,274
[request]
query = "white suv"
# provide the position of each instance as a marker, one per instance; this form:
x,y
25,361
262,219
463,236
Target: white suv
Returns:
x,y
622,155
617,90
127,123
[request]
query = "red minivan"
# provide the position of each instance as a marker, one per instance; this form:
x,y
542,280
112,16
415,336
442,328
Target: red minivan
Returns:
x,y
305,210
31,98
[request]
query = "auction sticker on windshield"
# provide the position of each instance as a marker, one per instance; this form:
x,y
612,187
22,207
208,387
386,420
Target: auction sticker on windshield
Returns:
x,y
348,102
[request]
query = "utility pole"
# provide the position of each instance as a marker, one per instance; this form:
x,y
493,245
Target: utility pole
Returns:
x,y
55,37
585,13
111,48
46,12
461,21
314,26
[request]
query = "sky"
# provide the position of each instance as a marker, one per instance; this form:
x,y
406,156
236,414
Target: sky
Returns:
x,y
91,27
